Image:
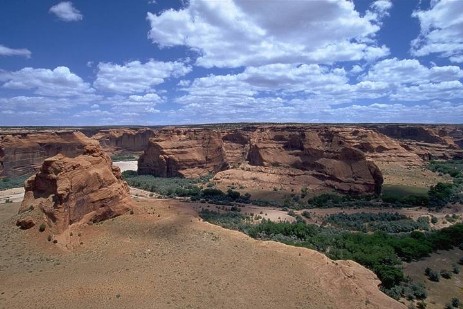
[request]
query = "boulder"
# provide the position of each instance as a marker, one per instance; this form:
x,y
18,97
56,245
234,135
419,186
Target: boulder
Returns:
x,y
25,223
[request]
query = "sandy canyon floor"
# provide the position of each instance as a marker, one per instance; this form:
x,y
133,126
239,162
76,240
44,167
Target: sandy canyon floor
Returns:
x,y
165,256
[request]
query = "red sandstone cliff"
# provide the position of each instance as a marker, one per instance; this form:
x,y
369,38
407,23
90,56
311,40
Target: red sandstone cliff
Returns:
x,y
22,154
315,155
183,153
124,139
427,141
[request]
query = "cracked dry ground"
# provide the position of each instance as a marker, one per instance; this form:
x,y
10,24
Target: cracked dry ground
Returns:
x,y
164,256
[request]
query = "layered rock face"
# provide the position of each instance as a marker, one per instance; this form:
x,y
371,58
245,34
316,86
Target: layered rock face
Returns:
x,y
183,153
428,142
22,154
305,156
124,139
378,147
77,190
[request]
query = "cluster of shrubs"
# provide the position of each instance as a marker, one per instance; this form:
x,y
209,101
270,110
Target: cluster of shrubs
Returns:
x,y
408,289
443,193
437,197
454,303
218,197
386,222
329,200
171,187
446,274
231,220
432,274
449,167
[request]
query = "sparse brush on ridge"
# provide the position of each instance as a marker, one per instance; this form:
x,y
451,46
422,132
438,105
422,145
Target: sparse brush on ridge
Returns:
x,y
378,251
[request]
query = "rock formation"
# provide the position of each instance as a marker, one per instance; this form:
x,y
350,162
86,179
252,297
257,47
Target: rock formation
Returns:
x,y
23,153
184,153
428,142
378,147
308,156
272,155
86,188
124,139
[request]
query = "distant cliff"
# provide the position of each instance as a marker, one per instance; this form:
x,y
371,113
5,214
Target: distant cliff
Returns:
x,y
23,153
124,139
305,156
347,158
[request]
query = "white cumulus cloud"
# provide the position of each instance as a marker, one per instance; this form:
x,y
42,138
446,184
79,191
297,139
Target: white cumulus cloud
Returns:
x,y
58,82
135,76
441,30
381,7
233,33
66,11
405,71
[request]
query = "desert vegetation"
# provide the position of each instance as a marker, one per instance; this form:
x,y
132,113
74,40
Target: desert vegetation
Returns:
x,y
371,222
12,182
379,251
443,193
124,157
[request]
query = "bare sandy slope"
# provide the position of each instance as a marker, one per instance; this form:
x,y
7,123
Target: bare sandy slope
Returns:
x,y
164,256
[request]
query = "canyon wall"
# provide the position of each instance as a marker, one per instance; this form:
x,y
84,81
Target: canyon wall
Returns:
x,y
268,155
113,140
23,153
427,141
308,156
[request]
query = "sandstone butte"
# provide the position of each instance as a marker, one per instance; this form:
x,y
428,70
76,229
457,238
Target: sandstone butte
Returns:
x,y
67,191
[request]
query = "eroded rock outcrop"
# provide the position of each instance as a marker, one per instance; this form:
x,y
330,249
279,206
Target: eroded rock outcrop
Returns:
x,y
378,147
23,153
183,153
426,141
303,156
124,139
86,188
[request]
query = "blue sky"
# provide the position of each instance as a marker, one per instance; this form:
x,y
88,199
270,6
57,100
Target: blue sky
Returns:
x,y
144,62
